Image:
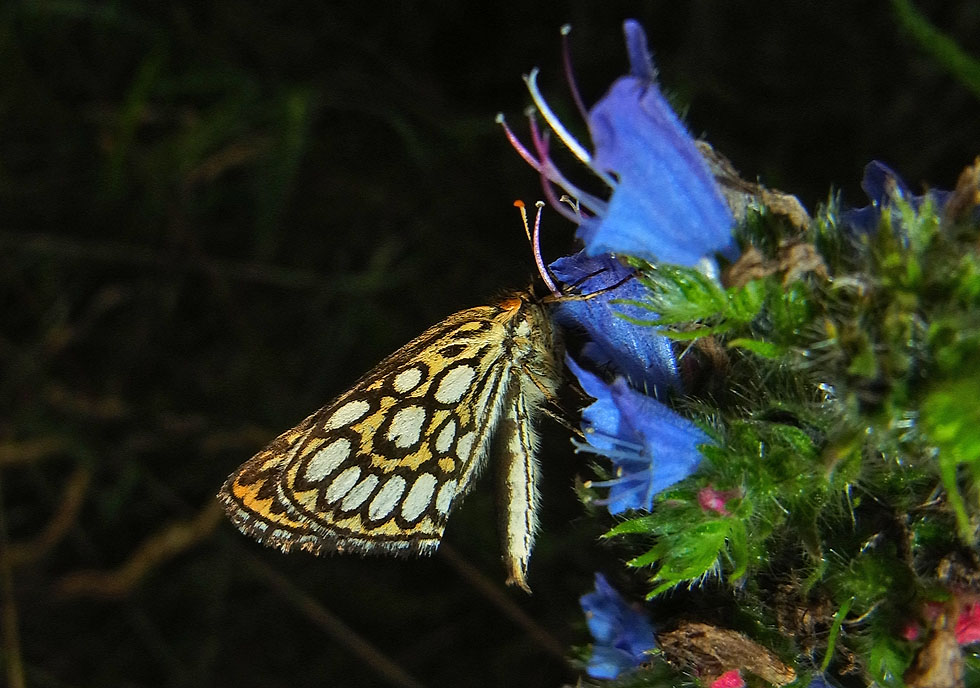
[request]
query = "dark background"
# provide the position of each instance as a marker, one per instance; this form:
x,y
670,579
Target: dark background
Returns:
x,y
215,216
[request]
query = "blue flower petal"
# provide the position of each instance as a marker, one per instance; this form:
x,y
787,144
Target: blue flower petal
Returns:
x,y
862,220
603,609
883,187
602,412
608,662
636,351
820,682
651,447
623,636
641,62
666,205
882,184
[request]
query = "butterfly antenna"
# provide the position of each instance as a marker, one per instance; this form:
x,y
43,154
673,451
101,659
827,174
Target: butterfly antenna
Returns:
x,y
534,237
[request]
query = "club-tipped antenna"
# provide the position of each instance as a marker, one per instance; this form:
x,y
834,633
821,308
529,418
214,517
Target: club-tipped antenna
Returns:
x,y
534,237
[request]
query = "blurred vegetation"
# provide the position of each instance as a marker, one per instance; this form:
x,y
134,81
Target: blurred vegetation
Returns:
x,y
216,216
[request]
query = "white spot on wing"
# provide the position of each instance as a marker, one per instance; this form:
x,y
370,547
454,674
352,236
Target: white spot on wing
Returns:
x,y
444,500
347,414
360,493
406,426
465,444
444,440
342,484
326,461
407,380
387,497
454,384
419,496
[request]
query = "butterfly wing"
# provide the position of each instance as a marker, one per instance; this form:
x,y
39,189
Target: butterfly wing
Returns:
x,y
379,468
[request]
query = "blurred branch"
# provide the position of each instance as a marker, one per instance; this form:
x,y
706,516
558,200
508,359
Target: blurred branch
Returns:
x,y
374,278
129,118
340,632
153,552
941,47
234,155
20,553
499,599
12,659
30,451
77,403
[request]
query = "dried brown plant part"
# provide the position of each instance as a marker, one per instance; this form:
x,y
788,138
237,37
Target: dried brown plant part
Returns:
x,y
709,651
939,662
799,258
965,196
741,194
794,260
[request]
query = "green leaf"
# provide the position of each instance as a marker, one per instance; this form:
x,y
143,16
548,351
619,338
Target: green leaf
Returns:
x,y
643,524
951,418
788,309
835,632
683,294
863,362
687,555
759,347
744,303
739,549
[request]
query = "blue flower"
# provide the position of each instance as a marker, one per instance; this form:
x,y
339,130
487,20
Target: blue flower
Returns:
x,y
883,187
636,351
820,682
665,204
651,447
623,635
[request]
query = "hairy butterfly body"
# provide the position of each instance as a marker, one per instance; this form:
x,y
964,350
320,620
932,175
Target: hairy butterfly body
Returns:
x,y
378,469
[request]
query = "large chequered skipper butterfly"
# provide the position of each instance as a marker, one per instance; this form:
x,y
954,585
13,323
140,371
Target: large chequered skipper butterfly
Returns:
x,y
378,469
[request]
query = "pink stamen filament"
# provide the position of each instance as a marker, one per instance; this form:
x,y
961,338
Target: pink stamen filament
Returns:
x,y
517,145
540,141
566,58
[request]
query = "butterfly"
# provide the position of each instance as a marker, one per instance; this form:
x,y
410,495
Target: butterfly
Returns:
x,y
380,468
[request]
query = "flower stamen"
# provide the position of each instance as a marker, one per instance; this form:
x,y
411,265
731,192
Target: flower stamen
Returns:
x,y
556,126
566,58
